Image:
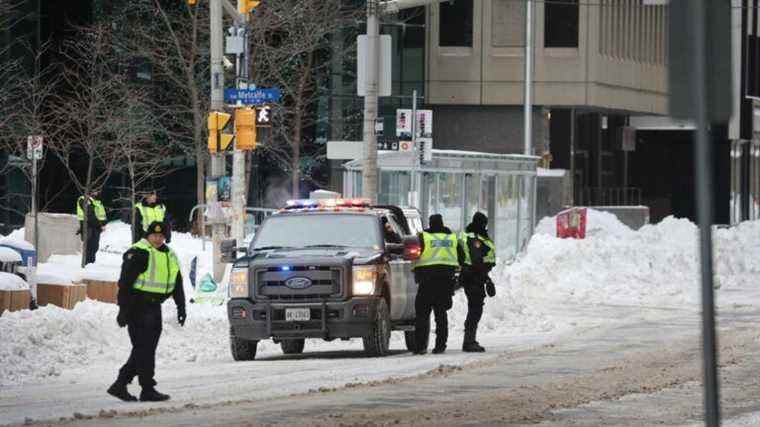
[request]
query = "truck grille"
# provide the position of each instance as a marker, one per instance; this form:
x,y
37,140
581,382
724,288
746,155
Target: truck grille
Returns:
x,y
272,283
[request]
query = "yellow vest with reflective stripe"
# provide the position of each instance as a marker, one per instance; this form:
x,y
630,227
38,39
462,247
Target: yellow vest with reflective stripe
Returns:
x,y
150,214
490,257
162,271
440,249
97,205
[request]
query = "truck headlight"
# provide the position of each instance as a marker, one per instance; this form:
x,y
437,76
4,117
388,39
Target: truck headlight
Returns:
x,y
365,277
239,283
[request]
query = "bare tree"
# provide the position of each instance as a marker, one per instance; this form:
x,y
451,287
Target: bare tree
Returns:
x,y
84,120
291,47
174,40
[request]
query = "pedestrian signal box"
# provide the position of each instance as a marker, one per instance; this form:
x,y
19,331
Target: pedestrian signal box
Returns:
x,y
247,6
245,129
218,141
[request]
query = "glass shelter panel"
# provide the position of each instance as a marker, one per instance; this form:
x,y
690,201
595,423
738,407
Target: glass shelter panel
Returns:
x,y
451,192
526,194
394,188
505,224
472,184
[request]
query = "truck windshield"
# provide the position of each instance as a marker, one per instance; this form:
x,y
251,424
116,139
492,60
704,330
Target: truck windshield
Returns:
x,y
299,231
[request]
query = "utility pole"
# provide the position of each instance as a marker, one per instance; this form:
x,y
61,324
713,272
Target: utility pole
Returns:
x,y
369,169
528,101
217,104
415,150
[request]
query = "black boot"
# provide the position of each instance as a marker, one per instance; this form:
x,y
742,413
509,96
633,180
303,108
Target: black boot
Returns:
x,y
470,345
439,349
151,395
119,391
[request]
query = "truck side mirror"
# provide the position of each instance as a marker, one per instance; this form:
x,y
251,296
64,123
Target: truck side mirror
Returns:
x,y
229,250
395,248
412,248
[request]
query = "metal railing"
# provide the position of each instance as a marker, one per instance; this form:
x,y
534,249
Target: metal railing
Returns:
x,y
608,196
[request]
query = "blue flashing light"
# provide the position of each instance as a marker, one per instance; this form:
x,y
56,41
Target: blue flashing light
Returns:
x,y
285,268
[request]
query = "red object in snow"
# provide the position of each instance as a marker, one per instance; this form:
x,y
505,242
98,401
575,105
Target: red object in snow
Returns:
x,y
572,223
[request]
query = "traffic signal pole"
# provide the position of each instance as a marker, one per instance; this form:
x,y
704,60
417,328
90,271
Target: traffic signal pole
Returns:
x,y
217,104
238,156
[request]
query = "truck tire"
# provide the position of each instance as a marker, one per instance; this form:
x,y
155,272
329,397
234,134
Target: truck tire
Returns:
x,y
411,341
242,349
377,342
292,346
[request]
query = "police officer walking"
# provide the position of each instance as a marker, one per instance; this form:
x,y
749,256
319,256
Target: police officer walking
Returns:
x,y
479,259
434,273
149,275
148,211
90,206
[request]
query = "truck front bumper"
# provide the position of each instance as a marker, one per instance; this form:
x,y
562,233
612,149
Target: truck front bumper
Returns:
x,y
329,319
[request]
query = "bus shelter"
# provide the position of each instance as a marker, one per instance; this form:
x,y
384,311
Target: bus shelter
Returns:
x,y
456,184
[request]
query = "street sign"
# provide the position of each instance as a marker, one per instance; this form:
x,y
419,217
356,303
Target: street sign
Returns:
x,y
379,125
387,144
404,123
34,147
252,96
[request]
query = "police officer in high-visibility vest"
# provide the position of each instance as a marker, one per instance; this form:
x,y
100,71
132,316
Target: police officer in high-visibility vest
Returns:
x,y
150,274
148,211
479,259
434,272
91,207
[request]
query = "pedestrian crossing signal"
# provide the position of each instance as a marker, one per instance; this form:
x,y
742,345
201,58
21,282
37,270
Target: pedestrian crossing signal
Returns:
x,y
247,6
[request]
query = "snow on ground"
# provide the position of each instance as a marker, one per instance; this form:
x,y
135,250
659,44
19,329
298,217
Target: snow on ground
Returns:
x,y
656,265
10,282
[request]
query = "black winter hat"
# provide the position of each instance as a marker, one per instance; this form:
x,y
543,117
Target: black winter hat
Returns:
x,y
480,219
435,221
156,227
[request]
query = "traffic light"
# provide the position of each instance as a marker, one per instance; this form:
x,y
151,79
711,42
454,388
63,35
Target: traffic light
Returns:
x,y
245,129
192,2
247,6
218,140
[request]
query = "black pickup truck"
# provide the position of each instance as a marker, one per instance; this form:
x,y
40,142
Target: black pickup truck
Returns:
x,y
322,269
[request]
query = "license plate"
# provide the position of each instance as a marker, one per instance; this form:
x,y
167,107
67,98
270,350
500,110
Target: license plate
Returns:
x,y
297,314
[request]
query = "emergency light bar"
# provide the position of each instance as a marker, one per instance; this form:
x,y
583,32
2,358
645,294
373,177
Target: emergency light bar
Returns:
x,y
327,203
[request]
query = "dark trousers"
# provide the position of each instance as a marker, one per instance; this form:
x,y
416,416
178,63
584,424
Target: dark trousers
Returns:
x,y
424,303
92,246
474,288
144,327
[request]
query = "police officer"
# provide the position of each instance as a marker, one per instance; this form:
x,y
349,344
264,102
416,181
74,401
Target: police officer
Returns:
x,y
434,273
479,259
89,205
148,211
149,275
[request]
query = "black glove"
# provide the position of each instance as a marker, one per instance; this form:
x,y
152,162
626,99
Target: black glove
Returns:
x,y
121,318
490,288
181,316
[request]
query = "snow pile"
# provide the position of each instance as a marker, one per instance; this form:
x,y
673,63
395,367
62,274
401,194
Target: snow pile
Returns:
x,y
9,255
597,223
11,282
656,265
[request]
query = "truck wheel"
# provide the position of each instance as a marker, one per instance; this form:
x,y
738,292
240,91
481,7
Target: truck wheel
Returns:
x,y
377,343
242,349
411,341
292,346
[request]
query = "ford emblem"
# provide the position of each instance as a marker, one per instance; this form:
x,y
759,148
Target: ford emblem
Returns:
x,y
298,282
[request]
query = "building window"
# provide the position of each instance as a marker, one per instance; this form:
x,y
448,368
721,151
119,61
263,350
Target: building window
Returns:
x,y
508,23
455,25
561,23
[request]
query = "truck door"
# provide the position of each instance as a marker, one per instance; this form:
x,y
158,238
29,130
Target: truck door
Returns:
x,y
401,280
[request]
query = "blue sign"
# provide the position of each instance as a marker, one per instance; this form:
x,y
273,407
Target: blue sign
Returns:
x,y
252,96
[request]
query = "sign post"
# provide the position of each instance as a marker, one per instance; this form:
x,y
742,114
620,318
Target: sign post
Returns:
x,y
34,153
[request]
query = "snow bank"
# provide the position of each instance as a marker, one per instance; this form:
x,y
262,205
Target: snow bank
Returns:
x,y
656,265
9,255
11,282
